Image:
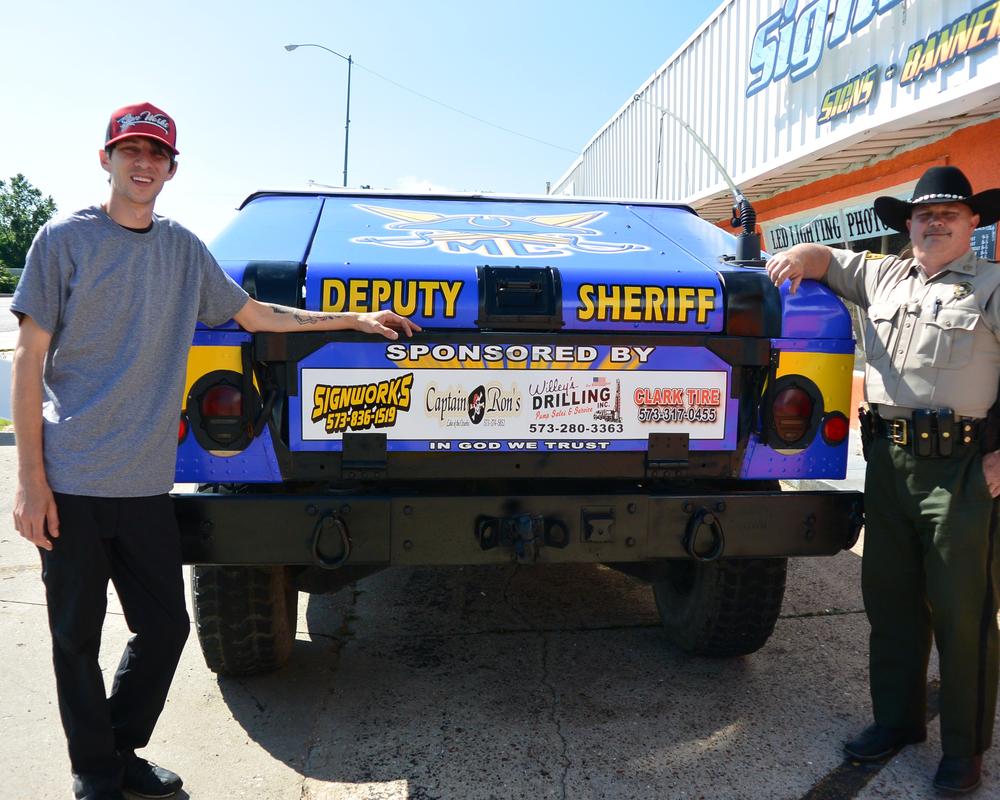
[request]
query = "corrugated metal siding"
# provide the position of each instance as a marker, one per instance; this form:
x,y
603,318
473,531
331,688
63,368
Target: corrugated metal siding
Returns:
x,y
776,129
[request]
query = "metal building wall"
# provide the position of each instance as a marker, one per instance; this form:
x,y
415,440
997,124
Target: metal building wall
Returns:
x,y
705,83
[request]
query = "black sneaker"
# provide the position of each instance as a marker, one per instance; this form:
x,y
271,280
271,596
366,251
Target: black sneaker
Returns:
x,y
97,786
145,779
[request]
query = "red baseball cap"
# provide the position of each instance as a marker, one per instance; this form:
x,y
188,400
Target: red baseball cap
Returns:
x,y
142,119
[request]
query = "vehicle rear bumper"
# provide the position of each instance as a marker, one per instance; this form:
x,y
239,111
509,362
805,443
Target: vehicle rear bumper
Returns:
x,y
333,530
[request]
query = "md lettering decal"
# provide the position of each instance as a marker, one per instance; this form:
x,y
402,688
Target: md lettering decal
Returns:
x,y
847,96
791,41
962,36
616,303
361,406
496,235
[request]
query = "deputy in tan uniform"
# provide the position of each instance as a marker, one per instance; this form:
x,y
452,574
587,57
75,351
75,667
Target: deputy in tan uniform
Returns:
x,y
932,345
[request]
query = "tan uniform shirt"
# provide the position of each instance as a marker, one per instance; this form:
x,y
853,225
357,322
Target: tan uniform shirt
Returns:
x,y
929,342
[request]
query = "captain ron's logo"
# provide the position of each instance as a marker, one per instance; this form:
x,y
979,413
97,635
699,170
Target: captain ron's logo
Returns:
x,y
361,406
497,235
477,405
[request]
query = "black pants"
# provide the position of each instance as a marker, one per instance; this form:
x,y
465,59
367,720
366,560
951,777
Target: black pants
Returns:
x,y
134,542
930,569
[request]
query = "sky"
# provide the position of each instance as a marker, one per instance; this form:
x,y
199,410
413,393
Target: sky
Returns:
x,y
251,115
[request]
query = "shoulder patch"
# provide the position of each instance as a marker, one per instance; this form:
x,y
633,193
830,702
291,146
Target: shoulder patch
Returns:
x,y
874,256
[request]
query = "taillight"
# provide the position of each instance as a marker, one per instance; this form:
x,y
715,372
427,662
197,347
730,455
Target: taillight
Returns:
x,y
221,407
182,429
222,400
791,411
835,428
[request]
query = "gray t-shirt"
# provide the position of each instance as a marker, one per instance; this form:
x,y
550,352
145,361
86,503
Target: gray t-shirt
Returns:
x,y
121,307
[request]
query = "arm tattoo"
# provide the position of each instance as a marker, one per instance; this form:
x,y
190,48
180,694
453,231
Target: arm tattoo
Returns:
x,y
304,317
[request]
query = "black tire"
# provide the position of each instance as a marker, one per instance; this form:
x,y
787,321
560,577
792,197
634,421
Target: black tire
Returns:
x,y
245,617
721,608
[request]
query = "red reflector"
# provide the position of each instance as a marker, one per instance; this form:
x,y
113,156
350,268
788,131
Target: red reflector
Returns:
x,y
792,409
182,429
222,400
835,428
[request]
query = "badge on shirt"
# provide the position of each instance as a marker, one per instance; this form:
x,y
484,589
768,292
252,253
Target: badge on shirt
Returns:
x,y
873,256
963,289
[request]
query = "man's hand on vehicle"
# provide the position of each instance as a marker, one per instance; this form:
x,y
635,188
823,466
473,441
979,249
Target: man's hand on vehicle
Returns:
x,y
798,263
386,323
35,514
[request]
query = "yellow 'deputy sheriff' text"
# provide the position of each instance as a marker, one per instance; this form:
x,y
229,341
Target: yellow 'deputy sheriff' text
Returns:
x,y
409,297
641,303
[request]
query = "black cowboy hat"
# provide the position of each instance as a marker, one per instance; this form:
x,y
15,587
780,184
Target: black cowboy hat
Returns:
x,y
940,185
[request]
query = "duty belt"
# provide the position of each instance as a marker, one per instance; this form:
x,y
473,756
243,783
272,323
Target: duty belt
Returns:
x,y
930,433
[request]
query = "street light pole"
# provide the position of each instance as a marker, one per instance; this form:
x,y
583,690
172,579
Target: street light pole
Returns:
x,y
347,124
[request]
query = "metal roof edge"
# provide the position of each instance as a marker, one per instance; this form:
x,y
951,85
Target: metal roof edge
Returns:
x,y
543,198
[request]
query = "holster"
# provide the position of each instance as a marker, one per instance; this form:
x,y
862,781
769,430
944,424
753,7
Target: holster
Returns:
x,y
946,431
866,419
923,433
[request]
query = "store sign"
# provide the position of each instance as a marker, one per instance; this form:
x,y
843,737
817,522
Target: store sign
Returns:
x,y
792,41
861,222
827,229
984,242
960,37
832,227
849,95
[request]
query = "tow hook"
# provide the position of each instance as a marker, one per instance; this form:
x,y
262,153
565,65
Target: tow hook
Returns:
x,y
523,533
703,518
329,526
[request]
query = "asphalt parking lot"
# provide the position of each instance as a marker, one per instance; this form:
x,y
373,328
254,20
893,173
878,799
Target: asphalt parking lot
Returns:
x,y
488,683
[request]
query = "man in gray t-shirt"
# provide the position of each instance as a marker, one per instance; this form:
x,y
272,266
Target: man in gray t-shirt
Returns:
x,y
108,304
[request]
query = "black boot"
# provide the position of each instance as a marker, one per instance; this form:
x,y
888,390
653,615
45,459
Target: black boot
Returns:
x,y
877,742
958,774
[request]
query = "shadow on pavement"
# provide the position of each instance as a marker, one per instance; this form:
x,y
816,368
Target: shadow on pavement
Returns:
x,y
447,682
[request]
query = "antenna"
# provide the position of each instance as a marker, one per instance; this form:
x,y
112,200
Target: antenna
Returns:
x,y
747,242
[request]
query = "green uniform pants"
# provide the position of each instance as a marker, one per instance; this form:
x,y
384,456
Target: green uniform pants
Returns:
x,y
929,569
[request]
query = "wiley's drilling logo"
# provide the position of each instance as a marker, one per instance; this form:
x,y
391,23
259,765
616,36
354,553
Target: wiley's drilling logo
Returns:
x,y
498,235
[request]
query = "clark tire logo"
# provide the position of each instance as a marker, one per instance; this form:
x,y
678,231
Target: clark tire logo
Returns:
x,y
361,406
791,41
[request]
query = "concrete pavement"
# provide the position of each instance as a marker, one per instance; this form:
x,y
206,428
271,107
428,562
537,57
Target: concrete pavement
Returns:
x,y
498,682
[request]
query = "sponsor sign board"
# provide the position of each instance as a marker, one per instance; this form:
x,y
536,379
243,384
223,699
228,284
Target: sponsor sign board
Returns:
x,y
513,397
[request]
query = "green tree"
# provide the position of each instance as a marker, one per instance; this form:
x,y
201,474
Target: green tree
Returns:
x,y
23,210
